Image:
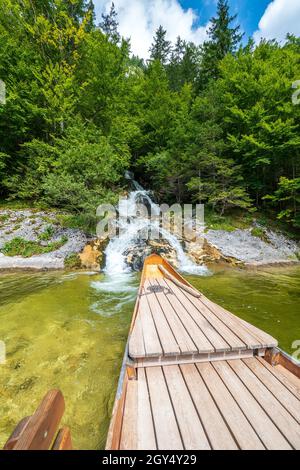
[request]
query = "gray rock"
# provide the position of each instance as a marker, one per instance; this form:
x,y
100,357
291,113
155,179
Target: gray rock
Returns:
x,y
29,225
243,246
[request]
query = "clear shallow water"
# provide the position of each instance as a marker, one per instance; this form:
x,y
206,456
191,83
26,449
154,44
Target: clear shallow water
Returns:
x,y
61,331
69,331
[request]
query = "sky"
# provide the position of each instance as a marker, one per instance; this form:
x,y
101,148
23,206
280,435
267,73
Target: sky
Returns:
x,y
138,19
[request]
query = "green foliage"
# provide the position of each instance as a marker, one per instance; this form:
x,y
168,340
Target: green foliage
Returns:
x,y
72,261
288,196
20,247
184,64
161,47
3,218
223,40
212,124
257,232
109,25
47,234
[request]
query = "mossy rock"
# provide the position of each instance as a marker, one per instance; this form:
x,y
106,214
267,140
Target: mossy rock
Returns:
x,y
72,261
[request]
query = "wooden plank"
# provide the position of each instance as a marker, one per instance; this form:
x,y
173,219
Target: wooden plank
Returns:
x,y
136,346
152,271
231,338
166,337
286,398
166,429
179,284
288,364
207,329
292,380
216,429
146,434
15,435
266,430
63,440
183,339
41,428
279,415
131,371
192,359
115,427
267,340
151,340
201,342
240,427
272,356
250,335
129,426
221,319
284,376
191,429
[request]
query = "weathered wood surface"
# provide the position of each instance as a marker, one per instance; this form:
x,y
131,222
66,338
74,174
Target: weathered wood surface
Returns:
x,y
238,404
16,434
171,321
63,440
201,380
39,431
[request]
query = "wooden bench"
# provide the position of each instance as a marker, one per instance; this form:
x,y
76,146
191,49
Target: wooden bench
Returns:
x,y
40,431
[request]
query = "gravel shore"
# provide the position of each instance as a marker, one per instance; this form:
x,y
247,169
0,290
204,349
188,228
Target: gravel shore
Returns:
x,y
30,225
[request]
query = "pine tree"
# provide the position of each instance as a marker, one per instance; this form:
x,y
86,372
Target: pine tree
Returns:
x,y
174,67
223,40
109,25
184,64
160,48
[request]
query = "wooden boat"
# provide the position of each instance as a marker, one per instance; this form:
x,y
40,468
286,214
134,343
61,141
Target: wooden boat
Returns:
x,y
195,376
40,431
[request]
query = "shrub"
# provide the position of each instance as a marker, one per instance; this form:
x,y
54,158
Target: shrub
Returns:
x,y
26,248
72,261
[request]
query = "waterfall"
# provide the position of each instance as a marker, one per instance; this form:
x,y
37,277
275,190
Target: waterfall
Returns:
x,y
131,226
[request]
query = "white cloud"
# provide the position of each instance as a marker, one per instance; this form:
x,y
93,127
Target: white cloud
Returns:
x,y
138,20
281,17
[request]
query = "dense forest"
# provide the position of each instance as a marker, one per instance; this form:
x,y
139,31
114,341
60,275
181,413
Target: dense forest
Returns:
x,y
213,123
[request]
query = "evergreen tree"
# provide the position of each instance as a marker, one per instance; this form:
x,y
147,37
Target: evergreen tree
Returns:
x,y
79,111
174,67
184,64
161,47
223,40
109,25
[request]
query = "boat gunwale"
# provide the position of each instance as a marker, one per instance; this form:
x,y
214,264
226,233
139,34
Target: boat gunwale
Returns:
x,y
282,358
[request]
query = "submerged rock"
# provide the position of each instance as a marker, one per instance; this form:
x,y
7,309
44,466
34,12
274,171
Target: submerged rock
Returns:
x,y
136,255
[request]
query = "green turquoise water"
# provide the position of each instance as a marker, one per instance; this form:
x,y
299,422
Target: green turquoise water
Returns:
x,y
69,331
61,331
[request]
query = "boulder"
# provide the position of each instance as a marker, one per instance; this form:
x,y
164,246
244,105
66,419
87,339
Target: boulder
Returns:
x,y
92,255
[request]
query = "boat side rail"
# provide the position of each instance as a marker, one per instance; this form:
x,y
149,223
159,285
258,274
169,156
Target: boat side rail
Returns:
x,y
276,356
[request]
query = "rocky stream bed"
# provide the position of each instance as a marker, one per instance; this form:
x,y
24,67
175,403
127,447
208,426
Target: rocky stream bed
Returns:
x,y
237,247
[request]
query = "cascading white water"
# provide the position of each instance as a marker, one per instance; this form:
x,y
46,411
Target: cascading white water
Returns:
x,y
131,226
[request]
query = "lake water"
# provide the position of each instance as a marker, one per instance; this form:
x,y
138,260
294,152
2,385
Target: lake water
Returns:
x,y
68,331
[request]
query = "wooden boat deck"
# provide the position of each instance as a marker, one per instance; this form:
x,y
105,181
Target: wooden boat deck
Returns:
x,y
195,376
172,325
236,404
